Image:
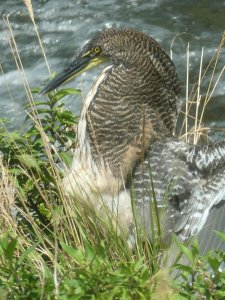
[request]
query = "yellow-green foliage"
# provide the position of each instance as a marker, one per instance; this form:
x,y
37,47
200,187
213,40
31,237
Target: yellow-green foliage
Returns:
x,y
53,247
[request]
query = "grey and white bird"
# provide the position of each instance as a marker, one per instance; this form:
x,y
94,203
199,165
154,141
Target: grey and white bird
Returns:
x,y
126,141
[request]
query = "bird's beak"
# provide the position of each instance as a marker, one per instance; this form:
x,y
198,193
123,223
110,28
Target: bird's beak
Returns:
x,y
81,64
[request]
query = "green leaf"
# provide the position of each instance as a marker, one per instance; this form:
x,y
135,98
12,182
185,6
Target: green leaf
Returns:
x,y
13,136
29,161
184,268
44,210
43,111
221,294
59,210
9,251
68,91
66,158
138,265
214,263
58,213
90,251
35,90
3,120
221,235
16,171
70,135
77,254
195,249
26,253
66,117
4,293
187,252
29,185
178,297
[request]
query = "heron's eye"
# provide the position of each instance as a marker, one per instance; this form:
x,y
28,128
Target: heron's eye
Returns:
x,y
97,50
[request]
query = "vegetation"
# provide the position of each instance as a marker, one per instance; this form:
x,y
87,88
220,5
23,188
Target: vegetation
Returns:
x,y
52,247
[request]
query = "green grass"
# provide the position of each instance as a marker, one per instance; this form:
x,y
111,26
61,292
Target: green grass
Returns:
x,y
60,248
57,248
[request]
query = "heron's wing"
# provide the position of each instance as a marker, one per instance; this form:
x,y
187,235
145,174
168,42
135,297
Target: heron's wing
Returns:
x,y
216,221
197,214
206,159
193,193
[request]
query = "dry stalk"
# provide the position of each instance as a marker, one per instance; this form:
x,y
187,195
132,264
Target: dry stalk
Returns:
x,y
28,4
70,225
197,95
7,200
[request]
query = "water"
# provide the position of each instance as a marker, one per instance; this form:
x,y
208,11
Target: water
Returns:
x,y
65,26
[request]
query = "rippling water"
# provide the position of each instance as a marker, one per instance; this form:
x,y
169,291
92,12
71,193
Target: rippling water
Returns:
x,y
65,26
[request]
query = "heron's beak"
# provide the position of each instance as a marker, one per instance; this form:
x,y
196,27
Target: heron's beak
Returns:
x,y
81,64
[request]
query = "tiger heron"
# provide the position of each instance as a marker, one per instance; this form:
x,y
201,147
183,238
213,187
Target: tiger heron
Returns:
x,y
126,140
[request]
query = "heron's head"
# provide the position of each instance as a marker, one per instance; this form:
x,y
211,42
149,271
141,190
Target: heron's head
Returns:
x,y
120,46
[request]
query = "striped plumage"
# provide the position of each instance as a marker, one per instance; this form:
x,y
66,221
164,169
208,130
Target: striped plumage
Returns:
x,y
126,132
134,95
187,180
